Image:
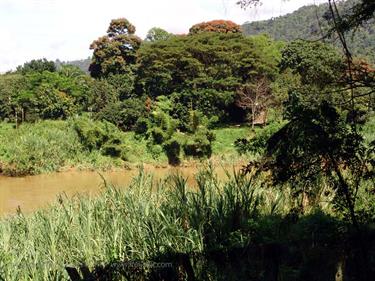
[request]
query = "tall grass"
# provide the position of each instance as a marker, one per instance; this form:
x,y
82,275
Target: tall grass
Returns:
x,y
46,146
32,149
145,220
157,220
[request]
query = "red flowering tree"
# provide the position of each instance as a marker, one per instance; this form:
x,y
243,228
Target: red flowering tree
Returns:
x,y
221,26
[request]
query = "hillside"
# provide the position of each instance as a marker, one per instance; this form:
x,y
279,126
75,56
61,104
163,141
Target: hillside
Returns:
x,y
308,23
83,64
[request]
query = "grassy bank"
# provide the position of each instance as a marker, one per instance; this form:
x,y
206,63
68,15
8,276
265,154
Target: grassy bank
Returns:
x,y
224,230
49,146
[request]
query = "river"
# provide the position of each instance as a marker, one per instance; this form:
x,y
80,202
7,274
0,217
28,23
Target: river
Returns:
x,y
35,192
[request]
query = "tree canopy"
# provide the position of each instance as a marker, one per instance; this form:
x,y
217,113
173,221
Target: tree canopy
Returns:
x,y
115,52
222,26
157,34
38,65
205,70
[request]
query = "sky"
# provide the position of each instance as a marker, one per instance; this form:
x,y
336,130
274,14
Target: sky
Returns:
x,y
64,29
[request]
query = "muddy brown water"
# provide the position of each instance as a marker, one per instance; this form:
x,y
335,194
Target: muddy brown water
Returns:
x,y
35,192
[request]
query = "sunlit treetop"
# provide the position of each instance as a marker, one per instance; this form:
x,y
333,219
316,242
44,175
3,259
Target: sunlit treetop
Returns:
x,y
119,27
221,26
115,52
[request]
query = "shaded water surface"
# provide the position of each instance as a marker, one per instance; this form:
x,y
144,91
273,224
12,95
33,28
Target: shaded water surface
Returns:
x,y
34,192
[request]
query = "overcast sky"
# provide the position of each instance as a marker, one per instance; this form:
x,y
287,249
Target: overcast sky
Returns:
x,y
64,29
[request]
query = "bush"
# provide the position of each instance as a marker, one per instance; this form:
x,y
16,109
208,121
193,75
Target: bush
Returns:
x,y
36,148
102,136
172,149
123,114
141,126
115,150
258,143
91,134
158,135
155,150
200,144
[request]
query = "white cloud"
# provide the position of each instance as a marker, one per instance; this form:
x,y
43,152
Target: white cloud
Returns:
x,y
64,29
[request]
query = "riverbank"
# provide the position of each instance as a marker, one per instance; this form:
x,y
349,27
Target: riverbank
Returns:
x,y
51,146
231,229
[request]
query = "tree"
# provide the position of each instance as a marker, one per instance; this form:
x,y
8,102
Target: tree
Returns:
x,y
123,114
203,71
38,65
319,144
12,87
359,12
222,26
157,34
101,94
309,23
256,97
316,63
115,53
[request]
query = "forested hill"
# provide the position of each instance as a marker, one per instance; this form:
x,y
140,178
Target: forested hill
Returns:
x,y
307,23
82,64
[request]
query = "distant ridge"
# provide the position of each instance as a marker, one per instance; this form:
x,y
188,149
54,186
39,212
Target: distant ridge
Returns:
x,y
82,64
307,23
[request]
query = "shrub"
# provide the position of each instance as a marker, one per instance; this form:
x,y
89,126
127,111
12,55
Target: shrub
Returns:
x,y
200,144
172,149
258,143
141,126
154,149
91,134
115,150
102,136
123,114
158,135
40,147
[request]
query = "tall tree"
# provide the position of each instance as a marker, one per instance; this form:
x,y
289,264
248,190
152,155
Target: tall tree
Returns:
x,y
115,52
203,71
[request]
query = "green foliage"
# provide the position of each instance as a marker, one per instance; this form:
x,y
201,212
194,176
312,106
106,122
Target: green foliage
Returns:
x,y
101,94
220,225
258,143
203,71
199,144
39,65
157,34
317,63
115,53
123,114
172,149
308,23
43,147
43,95
92,134
141,126
123,83
114,148
102,136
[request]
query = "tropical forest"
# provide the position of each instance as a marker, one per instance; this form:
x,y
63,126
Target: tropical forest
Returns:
x,y
236,151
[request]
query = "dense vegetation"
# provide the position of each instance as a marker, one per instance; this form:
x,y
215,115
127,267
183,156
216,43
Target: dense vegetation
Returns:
x,y
170,90
232,230
301,209
309,23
